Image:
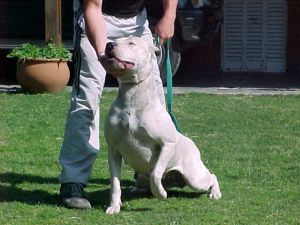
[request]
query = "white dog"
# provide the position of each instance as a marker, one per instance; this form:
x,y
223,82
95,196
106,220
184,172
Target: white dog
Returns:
x,y
139,129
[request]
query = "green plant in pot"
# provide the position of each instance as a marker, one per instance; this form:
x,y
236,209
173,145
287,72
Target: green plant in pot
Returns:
x,y
42,69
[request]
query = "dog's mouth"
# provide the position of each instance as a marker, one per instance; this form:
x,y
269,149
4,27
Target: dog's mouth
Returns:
x,y
126,64
115,66
120,64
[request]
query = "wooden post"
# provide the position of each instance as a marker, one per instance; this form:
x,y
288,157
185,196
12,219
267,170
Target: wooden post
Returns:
x,y
53,21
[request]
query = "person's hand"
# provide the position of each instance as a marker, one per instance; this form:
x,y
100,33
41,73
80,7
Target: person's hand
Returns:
x,y
103,60
101,57
107,66
164,29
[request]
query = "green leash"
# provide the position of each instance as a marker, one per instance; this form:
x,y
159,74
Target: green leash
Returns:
x,y
170,86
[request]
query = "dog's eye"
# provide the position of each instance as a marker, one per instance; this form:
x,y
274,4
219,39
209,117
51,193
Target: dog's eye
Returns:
x,y
131,43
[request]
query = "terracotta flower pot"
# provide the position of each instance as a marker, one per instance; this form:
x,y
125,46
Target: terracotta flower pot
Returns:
x,y
43,75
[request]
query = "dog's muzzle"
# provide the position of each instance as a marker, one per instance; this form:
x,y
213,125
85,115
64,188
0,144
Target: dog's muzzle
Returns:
x,y
112,59
109,48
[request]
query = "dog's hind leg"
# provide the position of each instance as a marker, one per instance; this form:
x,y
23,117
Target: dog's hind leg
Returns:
x,y
203,180
195,173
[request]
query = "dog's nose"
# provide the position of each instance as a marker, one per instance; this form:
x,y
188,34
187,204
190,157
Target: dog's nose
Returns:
x,y
108,50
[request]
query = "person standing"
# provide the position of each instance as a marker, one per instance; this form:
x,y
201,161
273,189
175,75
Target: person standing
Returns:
x,y
96,23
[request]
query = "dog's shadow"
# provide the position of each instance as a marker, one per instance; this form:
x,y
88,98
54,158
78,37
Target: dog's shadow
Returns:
x,y
101,198
11,192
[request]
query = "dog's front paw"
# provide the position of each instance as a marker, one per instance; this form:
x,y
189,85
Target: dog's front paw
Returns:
x,y
157,189
215,192
159,194
113,209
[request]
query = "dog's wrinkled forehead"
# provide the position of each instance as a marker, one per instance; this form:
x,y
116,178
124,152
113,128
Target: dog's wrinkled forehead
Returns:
x,y
132,47
132,42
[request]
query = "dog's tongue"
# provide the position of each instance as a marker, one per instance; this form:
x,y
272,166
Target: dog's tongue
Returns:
x,y
127,65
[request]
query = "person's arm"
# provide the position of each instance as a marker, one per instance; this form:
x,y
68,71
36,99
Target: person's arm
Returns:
x,y
95,26
165,27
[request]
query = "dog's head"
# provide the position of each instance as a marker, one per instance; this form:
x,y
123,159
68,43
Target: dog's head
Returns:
x,y
129,59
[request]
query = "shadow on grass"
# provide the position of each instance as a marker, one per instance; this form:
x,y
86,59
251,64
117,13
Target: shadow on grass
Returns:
x,y
100,199
11,192
15,178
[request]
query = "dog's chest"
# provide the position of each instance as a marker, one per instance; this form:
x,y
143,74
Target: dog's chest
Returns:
x,y
128,120
125,130
127,125
127,114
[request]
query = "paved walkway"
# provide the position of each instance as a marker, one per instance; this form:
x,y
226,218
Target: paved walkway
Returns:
x,y
195,80
239,91
207,90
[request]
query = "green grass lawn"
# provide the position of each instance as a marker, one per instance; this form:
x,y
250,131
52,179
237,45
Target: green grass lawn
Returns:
x,y
251,143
